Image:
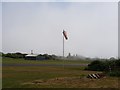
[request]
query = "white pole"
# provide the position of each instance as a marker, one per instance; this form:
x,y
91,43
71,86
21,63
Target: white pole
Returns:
x,y
63,51
63,46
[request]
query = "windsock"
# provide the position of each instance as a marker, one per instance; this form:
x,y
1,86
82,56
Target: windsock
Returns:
x,y
65,34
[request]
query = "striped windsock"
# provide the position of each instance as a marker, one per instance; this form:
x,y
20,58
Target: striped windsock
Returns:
x,y
65,34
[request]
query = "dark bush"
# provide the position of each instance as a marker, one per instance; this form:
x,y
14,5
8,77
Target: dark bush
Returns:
x,y
117,62
96,66
114,73
14,55
111,67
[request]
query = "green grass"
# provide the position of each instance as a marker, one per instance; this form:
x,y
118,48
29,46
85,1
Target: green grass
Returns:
x,y
22,61
15,76
23,76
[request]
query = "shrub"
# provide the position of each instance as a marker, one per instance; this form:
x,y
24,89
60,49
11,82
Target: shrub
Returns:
x,y
114,73
96,66
111,67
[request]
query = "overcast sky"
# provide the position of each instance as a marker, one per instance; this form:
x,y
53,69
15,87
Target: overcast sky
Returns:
x,y
0,26
92,28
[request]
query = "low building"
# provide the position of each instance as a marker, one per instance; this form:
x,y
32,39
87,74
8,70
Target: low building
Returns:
x,y
31,57
34,57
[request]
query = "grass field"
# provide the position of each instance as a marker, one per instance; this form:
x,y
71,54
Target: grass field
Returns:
x,y
22,61
51,76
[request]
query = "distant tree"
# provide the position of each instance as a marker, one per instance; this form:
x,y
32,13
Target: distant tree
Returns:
x,y
0,54
88,58
14,55
112,58
69,55
117,63
96,66
111,67
54,57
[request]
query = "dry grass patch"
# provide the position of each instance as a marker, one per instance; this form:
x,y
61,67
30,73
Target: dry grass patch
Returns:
x,y
77,82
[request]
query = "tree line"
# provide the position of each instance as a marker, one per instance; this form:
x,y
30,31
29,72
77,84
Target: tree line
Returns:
x,y
110,67
21,55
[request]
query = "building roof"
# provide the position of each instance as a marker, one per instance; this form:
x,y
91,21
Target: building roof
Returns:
x,y
31,55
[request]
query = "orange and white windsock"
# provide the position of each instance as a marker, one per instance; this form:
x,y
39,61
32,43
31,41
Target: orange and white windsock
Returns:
x,y
65,34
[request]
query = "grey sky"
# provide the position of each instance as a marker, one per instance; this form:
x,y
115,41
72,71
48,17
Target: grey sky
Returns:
x,y
92,28
0,26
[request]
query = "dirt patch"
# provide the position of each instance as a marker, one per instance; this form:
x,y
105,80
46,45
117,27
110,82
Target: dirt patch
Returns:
x,y
76,82
54,80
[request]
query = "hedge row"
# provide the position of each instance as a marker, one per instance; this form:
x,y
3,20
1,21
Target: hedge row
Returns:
x,y
111,67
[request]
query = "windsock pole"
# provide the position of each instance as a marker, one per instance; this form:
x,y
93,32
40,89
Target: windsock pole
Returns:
x,y
64,36
63,52
63,46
